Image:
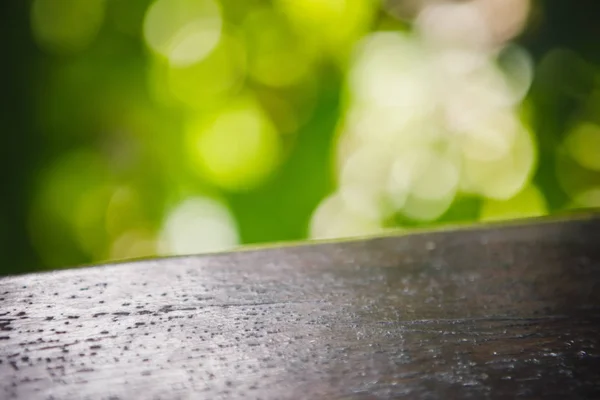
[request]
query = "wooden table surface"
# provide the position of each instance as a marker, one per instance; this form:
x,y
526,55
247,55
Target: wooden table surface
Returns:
x,y
487,312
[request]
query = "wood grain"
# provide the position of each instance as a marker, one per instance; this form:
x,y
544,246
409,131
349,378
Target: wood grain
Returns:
x,y
489,312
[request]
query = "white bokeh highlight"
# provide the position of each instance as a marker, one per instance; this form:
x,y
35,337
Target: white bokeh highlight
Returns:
x,y
198,225
431,115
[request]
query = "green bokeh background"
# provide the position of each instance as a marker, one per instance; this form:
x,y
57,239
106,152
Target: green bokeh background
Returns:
x,y
97,102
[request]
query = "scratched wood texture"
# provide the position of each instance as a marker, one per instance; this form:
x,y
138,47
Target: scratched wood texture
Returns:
x,y
488,312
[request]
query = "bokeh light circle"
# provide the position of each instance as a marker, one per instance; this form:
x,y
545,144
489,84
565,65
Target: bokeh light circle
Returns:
x,y
277,56
237,148
332,219
528,203
211,81
504,177
583,144
198,225
183,31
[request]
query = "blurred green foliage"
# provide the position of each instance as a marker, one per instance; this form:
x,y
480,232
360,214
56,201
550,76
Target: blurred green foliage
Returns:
x,y
138,127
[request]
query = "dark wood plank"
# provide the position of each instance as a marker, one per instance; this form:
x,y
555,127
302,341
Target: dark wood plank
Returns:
x,y
491,312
